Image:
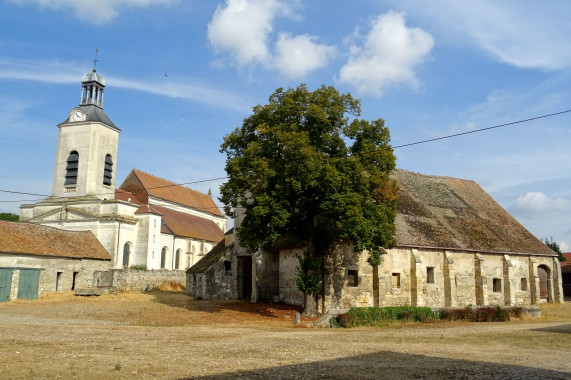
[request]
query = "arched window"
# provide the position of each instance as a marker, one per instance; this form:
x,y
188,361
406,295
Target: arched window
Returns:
x,y
177,259
108,170
126,253
71,169
163,257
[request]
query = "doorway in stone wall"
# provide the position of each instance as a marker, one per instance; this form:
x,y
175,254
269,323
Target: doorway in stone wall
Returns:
x,y
245,278
543,273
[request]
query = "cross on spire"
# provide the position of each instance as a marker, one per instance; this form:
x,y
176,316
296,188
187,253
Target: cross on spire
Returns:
x,y
95,60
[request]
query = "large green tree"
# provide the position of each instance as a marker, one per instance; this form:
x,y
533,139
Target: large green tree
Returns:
x,y
555,247
300,171
9,217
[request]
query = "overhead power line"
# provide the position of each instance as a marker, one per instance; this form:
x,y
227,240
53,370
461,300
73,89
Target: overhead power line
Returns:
x,y
394,147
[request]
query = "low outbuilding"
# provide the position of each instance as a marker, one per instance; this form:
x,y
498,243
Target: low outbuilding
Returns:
x,y
36,259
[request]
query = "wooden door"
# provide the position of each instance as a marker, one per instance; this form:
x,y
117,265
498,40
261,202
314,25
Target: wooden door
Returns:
x,y
5,284
28,284
543,276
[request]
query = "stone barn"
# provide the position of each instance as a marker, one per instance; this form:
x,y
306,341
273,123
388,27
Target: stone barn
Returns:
x,y
36,259
456,246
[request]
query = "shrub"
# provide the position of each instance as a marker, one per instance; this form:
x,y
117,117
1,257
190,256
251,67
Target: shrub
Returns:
x,y
366,316
138,267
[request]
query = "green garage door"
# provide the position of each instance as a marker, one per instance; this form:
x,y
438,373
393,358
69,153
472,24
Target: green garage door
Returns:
x,y
5,284
28,284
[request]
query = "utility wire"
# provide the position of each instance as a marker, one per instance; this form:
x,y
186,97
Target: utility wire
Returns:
x,y
394,147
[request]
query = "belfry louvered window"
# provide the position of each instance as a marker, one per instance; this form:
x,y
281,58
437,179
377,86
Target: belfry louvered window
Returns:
x,y
108,170
71,169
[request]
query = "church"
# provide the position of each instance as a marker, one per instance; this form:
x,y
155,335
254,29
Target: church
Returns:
x,y
147,222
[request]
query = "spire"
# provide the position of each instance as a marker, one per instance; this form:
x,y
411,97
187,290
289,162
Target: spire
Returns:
x,y
92,85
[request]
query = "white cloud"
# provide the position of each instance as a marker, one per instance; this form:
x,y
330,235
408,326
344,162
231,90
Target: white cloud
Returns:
x,y
522,33
537,202
58,72
241,27
97,12
387,56
244,29
297,56
564,246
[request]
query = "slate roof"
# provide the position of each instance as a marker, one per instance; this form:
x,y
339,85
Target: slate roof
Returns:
x,y
38,240
144,185
93,113
452,213
181,224
210,258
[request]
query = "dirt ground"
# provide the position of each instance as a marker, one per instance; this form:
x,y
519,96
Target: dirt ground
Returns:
x,y
163,335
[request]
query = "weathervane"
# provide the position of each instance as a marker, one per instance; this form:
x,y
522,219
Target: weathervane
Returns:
x,y
95,60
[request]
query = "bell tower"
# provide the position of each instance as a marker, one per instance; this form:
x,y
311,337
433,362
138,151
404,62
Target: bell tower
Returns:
x,y
87,146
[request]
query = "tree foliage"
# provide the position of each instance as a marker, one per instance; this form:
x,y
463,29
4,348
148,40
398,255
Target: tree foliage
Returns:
x,y
9,217
300,170
555,247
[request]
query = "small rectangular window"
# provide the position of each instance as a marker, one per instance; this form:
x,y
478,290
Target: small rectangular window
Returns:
x,y
58,281
430,275
74,280
352,277
396,280
523,283
497,285
228,266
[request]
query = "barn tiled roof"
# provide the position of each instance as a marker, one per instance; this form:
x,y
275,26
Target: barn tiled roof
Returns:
x,y
451,213
566,265
144,185
182,224
34,239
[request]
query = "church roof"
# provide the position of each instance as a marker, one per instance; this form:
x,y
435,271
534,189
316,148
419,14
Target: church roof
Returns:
x,y
93,113
181,224
126,196
452,213
144,185
38,240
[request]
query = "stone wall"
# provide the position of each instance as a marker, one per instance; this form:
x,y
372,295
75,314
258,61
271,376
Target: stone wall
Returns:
x,y
427,277
129,279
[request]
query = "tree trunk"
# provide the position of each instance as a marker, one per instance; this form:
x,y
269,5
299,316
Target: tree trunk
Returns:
x,y
310,305
376,285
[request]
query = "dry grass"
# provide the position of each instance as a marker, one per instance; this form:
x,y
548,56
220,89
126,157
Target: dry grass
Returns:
x,y
171,286
116,336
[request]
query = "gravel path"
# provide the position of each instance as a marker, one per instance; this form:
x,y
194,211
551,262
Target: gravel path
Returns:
x,y
40,345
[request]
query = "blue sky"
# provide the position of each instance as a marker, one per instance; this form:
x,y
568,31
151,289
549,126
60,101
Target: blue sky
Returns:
x,y
429,68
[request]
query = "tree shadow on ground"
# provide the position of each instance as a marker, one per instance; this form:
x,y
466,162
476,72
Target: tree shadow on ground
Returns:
x,y
262,310
391,365
563,329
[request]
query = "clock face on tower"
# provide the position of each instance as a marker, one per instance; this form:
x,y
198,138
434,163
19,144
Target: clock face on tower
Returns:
x,y
77,115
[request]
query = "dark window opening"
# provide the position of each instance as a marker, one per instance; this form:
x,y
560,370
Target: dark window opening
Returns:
x,y
126,254
396,280
108,170
523,283
430,275
71,169
228,266
497,284
73,280
353,277
163,258
58,281
567,278
177,259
